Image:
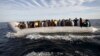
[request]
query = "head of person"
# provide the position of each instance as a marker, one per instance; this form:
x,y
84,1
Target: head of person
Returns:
x,y
76,19
69,19
80,18
86,20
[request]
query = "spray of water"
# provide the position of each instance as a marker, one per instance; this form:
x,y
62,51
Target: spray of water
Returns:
x,y
95,29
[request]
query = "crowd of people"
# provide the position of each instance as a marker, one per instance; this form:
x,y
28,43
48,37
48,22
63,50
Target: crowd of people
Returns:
x,y
49,23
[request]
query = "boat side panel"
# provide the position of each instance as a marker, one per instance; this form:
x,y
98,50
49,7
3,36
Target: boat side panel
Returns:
x,y
54,30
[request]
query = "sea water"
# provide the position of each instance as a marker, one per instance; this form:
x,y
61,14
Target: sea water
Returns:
x,y
50,44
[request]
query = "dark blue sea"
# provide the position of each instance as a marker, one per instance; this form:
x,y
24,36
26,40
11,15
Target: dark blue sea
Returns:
x,y
50,44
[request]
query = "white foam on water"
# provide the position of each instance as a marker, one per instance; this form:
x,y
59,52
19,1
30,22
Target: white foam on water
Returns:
x,y
10,35
95,29
39,54
65,37
52,53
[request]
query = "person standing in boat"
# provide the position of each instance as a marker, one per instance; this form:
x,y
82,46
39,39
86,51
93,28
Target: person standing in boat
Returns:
x,y
81,22
70,22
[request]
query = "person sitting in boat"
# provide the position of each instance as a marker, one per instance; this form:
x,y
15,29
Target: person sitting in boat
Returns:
x,y
71,23
39,23
87,23
68,22
63,22
55,22
36,24
59,23
30,24
52,23
75,22
48,22
21,25
44,23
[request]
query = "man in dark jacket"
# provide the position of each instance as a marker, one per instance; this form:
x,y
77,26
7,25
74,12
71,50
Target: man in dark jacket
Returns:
x,y
75,22
81,22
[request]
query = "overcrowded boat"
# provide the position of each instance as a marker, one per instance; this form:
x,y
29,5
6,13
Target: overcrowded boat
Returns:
x,y
21,28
